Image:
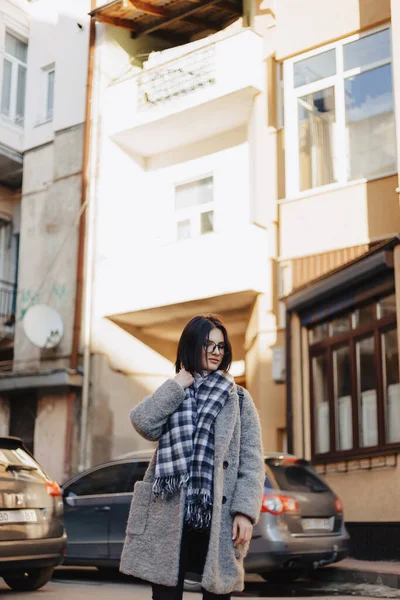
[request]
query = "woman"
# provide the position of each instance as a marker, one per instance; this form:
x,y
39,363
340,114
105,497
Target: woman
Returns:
x,y
201,495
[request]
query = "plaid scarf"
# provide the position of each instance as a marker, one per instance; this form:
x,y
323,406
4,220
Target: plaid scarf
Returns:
x,y
185,455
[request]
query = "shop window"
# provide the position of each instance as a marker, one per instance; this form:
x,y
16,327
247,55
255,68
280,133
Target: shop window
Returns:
x,y
339,113
355,381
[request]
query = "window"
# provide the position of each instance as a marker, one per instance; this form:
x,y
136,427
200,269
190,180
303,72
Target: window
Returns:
x,y
50,77
112,479
138,471
194,208
297,478
355,381
14,79
340,122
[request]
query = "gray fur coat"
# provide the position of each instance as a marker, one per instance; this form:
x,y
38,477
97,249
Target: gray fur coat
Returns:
x,y
154,529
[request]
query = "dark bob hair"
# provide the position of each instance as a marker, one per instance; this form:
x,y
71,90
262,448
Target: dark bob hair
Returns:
x,y
192,340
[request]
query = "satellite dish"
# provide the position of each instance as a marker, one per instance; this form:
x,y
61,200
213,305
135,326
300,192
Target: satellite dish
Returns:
x,y
43,326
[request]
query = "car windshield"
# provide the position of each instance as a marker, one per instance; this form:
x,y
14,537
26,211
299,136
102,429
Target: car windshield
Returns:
x,y
297,477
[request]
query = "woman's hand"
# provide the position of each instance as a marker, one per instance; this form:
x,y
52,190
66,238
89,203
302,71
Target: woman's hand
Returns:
x,y
242,529
184,378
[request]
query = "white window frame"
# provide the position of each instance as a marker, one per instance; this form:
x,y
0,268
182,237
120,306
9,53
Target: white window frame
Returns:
x,y
193,213
44,116
291,114
15,63
280,95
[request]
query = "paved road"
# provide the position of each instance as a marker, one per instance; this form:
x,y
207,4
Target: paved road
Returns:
x,y
88,584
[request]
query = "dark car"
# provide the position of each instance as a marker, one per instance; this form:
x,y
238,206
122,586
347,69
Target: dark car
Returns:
x,y
301,523
32,535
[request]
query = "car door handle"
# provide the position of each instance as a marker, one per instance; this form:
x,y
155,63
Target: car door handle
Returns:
x,y
102,508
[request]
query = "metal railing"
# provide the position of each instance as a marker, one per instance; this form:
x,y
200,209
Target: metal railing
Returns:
x,y
8,297
178,77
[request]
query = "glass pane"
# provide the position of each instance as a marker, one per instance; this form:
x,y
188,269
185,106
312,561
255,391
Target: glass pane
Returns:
x,y
343,403
194,193
16,48
321,405
21,86
340,325
387,306
314,68
183,229
365,314
297,478
367,50
390,355
318,333
367,391
108,480
6,90
370,124
207,221
138,472
50,94
317,122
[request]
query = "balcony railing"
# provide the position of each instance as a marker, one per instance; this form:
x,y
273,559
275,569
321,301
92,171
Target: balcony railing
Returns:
x,y
8,295
177,78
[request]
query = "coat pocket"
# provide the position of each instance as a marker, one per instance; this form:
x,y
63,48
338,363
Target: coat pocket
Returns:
x,y
139,510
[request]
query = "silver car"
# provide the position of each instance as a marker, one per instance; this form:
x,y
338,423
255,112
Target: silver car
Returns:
x,y
301,523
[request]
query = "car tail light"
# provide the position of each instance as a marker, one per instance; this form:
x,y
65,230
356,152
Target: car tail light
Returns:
x,y
338,505
277,504
53,489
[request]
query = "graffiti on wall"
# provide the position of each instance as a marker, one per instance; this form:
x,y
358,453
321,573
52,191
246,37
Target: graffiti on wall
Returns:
x,y
29,297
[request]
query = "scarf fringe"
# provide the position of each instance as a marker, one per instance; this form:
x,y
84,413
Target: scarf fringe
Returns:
x,y
198,509
165,487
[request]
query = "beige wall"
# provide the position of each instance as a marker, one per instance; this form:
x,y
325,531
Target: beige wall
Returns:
x,y
306,24
50,434
348,216
261,338
368,495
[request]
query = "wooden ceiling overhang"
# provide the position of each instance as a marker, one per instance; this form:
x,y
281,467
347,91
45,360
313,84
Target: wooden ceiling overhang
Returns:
x,y
179,21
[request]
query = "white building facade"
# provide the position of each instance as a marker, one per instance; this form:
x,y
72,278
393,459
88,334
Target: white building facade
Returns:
x,y
181,222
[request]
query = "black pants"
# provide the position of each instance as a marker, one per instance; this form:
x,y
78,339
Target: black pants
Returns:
x,y
192,559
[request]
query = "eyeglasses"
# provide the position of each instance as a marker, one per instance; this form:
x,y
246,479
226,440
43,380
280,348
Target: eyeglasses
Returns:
x,y
210,348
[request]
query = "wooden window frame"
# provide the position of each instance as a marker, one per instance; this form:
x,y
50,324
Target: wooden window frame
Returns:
x,y
327,346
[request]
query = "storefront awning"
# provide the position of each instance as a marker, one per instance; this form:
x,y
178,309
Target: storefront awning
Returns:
x,y
177,21
377,261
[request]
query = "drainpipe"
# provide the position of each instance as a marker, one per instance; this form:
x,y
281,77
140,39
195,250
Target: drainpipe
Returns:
x,y
289,397
84,250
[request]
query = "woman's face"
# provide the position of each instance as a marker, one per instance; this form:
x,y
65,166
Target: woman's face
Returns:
x,y
213,350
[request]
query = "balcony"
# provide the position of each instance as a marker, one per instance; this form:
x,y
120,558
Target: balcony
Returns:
x,y
189,97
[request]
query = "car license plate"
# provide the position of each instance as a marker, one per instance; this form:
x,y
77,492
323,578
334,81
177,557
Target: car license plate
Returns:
x,y
321,524
18,516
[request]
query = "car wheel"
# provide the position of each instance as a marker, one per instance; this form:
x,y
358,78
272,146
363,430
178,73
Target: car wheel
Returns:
x,y
283,576
189,585
30,580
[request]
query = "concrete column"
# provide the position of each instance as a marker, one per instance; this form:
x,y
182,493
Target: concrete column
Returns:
x,y
261,337
50,434
4,416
